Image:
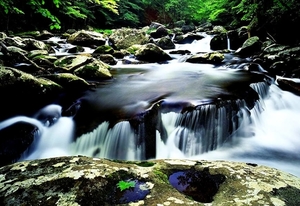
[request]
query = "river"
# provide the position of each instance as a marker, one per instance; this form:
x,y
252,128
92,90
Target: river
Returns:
x,y
203,112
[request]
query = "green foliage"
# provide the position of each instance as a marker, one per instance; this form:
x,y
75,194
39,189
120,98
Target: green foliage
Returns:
x,y
123,185
54,10
247,9
103,31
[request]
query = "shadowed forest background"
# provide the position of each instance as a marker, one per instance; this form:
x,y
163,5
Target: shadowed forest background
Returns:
x,y
276,19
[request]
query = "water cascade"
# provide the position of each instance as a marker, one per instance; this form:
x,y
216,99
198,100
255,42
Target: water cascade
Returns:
x,y
228,42
177,110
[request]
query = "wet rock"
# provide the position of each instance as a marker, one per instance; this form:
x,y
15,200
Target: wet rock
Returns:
x,y
16,50
14,41
86,38
289,85
133,48
104,49
107,58
165,43
187,38
182,52
14,141
90,181
70,63
32,44
34,53
2,36
161,31
152,53
94,70
69,82
24,92
126,37
155,25
210,57
250,47
219,42
188,28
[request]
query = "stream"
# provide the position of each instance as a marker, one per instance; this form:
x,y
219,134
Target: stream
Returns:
x,y
197,111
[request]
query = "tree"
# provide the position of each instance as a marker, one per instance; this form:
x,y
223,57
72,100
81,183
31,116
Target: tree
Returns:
x,y
51,10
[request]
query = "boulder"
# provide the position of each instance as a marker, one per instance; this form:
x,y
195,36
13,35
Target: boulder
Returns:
x,y
21,91
155,25
2,36
13,50
152,53
219,42
250,47
33,53
289,85
69,82
90,181
209,57
14,41
126,37
133,48
104,49
86,38
218,30
188,28
84,66
235,39
14,141
165,43
32,44
106,58
94,70
161,31
187,38
71,62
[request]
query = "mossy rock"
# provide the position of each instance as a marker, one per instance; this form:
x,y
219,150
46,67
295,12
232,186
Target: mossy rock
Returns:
x,y
22,92
71,62
95,70
34,53
104,49
69,81
250,47
132,49
86,38
209,57
152,53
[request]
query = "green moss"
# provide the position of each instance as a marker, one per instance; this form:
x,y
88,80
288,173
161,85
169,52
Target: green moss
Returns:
x,y
103,31
161,176
290,195
145,164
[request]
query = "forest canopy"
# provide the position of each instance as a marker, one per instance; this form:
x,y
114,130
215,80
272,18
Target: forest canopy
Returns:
x,y
268,16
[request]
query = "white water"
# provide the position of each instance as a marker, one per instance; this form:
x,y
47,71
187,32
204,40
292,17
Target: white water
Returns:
x,y
269,137
228,43
54,136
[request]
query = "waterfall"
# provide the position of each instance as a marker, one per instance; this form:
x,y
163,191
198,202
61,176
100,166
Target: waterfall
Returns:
x,y
118,142
228,42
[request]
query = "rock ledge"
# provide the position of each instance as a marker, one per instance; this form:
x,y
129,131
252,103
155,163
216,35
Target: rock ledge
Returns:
x,y
89,181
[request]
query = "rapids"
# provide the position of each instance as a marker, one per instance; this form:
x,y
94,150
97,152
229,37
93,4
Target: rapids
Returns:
x,y
205,111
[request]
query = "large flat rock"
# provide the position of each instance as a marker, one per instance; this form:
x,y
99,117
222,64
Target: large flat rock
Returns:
x,y
88,181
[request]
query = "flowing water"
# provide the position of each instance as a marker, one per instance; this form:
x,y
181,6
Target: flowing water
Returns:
x,y
201,112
